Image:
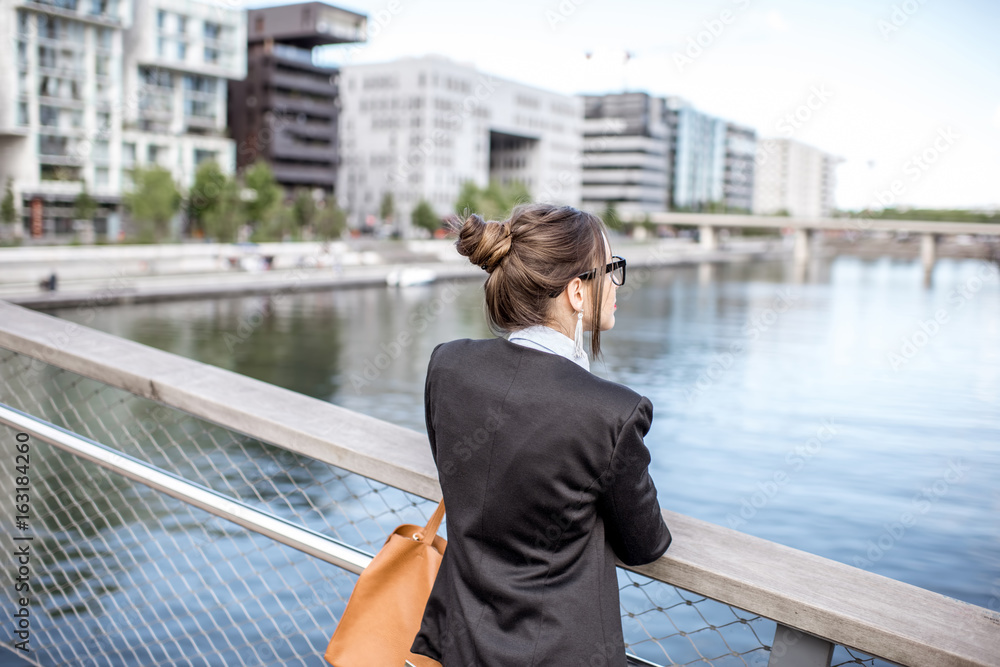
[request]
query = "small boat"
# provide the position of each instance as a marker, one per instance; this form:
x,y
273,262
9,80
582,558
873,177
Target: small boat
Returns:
x,y
410,276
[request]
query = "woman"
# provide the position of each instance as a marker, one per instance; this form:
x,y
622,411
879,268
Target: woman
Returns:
x,y
542,465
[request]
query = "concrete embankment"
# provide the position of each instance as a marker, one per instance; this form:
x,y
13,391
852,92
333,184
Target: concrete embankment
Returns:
x,y
91,276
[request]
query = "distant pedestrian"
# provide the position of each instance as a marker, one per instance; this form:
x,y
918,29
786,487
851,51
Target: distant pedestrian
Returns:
x,y
542,464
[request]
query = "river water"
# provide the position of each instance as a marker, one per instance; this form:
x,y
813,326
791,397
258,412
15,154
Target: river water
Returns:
x,y
854,415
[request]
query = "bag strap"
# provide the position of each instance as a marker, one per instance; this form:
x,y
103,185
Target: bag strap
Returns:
x,y
430,530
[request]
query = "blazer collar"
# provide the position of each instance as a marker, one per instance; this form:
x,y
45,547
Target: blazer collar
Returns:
x,y
545,338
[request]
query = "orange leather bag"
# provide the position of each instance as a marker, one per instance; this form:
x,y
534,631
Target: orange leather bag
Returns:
x,y
383,614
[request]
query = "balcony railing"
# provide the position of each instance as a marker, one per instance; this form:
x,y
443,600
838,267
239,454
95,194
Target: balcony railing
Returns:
x,y
140,443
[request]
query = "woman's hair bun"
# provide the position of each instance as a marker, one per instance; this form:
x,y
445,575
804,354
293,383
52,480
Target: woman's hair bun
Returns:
x,y
484,243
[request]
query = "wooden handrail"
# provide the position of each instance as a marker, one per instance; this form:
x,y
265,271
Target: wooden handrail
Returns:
x,y
845,605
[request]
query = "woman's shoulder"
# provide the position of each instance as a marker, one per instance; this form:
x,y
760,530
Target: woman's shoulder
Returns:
x,y
479,354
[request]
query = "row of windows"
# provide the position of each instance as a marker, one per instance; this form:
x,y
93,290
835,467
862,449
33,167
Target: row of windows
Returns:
x,y
383,104
94,7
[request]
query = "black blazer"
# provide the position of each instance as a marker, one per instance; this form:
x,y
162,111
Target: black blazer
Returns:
x,y
545,480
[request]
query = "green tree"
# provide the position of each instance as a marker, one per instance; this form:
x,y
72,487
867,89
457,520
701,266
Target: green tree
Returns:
x,y
387,209
331,221
8,208
205,194
84,206
610,216
153,201
303,209
423,216
227,213
493,202
267,193
468,199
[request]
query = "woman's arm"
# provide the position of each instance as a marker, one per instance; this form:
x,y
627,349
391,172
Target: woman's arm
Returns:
x,y
628,503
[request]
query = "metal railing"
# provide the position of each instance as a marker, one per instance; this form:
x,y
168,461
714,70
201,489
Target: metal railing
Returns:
x,y
130,572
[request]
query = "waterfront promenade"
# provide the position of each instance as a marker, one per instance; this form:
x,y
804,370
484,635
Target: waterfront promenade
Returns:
x,y
131,274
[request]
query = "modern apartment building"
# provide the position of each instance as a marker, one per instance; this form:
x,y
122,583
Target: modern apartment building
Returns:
x,y
96,87
286,111
698,157
626,143
419,127
179,55
60,86
794,178
738,178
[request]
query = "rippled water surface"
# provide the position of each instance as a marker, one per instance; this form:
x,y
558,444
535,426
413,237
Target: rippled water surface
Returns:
x,y
855,415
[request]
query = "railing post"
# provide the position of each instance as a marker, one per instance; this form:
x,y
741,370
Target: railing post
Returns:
x,y
794,648
928,255
803,238
707,238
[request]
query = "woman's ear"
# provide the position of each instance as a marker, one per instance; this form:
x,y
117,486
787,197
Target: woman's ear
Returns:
x,y
576,291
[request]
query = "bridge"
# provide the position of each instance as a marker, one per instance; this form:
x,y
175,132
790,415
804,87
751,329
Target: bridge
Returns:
x,y
161,534
805,228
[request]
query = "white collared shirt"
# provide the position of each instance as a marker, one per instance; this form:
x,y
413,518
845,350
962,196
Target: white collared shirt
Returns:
x,y
547,339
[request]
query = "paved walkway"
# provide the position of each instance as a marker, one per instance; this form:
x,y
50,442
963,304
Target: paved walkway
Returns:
x,y
136,288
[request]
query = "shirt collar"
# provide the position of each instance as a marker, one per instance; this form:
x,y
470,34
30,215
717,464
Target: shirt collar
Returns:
x,y
548,339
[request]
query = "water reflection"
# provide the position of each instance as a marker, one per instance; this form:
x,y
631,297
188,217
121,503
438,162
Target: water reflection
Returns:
x,y
744,364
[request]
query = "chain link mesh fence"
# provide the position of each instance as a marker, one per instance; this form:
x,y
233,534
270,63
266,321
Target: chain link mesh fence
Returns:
x,y
129,576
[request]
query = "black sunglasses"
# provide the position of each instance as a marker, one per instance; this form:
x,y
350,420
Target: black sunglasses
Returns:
x,y
616,268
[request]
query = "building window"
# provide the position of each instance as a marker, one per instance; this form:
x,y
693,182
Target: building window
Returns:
x,y
104,38
153,153
48,116
22,113
212,30
101,176
161,19
203,155
128,154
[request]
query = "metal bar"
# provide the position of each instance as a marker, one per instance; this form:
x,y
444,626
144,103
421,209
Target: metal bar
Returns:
x,y
315,544
794,648
309,541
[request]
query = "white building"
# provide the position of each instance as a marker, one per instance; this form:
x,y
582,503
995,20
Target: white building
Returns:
x,y
419,127
74,110
627,148
794,178
741,153
179,55
698,157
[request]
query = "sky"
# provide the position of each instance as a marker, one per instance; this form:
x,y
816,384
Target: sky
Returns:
x,y
906,93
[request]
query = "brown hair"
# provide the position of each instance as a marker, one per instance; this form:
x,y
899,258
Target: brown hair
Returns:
x,y
535,252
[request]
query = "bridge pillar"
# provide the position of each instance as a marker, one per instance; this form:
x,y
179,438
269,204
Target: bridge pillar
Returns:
x,y
707,237
793,648
803,238
928,255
